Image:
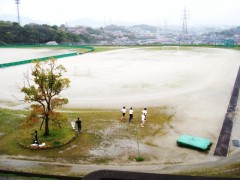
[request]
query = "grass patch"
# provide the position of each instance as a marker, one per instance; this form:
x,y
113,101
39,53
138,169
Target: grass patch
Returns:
x,y
102,160
154,122
230,171
10,121
100,128
151,144
57,138
8,175
139,159
172,162
15,176
236,47
171,48
106,48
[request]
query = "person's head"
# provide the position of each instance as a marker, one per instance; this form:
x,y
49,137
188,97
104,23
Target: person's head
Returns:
x,y
130,107
123,107
145,108
78,118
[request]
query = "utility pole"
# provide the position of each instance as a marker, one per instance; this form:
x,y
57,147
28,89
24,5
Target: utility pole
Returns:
x,y
184,37
17,3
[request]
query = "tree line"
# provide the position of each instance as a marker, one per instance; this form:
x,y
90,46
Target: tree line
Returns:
x,y
13,33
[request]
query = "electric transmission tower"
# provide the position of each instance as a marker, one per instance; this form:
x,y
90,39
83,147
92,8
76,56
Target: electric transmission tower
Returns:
x,y
184,36
18,17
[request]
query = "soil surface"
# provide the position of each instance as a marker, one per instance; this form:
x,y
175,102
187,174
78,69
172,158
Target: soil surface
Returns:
x,y
194,84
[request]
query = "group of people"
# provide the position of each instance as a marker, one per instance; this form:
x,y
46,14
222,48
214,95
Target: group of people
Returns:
x,y
124,110
79,125
143,117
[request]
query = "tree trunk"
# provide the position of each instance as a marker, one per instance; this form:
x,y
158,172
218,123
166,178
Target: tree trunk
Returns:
x,y
46,126
47,118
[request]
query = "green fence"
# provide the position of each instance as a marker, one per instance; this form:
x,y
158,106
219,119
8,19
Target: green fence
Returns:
x,y
4,65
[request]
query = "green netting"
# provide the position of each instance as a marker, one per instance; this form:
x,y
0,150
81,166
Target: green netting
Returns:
x,y
3,65
194,142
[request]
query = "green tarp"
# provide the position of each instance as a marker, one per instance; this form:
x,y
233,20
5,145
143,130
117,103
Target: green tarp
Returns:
x,y
194,142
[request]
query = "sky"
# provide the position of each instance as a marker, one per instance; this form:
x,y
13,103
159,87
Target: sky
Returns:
x,y
154,12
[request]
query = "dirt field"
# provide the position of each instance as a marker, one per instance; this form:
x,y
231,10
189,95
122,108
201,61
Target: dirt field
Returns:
x,y
16,54
194,84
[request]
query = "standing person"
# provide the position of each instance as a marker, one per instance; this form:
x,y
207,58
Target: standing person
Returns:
x,y
35,141
78,122
73,125
144,111
143,117
123,112
130,114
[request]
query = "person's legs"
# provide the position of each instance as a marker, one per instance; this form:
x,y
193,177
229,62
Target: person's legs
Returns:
x,y
130,117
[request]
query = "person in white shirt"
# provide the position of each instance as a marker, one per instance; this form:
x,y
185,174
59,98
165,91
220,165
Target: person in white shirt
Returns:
x,y
73,125
130,114
143,119
123,112
144,111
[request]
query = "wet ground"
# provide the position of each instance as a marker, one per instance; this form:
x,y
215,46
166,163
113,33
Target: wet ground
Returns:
x,y
17,54
194,84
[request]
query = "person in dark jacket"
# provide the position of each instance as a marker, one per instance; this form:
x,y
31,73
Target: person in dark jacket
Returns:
x,y
35,141
79,124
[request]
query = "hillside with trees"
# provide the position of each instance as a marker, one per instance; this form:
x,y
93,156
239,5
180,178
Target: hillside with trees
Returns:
x,y
13,33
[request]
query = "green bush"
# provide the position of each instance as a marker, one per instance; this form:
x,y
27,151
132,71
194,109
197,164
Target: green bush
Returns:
x,y
139,158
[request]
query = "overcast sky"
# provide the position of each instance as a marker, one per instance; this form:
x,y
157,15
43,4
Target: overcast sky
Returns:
x,y
200,12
